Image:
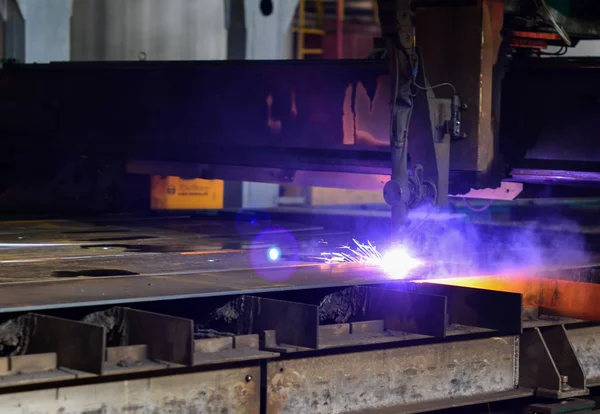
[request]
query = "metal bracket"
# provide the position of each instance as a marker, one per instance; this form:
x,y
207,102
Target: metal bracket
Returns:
x,y
549,365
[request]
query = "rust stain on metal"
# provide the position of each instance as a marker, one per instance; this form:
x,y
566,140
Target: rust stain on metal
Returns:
x,y
586,344
222,391
392,378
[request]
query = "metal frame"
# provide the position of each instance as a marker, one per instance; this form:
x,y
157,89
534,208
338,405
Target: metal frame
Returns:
x,y
410,347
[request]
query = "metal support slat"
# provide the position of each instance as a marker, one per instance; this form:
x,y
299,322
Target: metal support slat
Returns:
x,y
407,311
477,307
168,338
294,323
79,346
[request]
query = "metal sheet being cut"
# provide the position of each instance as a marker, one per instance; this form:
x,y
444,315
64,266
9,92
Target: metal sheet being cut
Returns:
x,y
63,264
49,264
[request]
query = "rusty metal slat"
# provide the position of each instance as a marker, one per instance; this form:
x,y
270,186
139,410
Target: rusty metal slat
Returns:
x,y
334,330
234,390
19,380
294,323
32,363
129,359
168,338
239,348
79,346
117,354
411,312
481,308
367,327
4,366
394,378
213,344
246,342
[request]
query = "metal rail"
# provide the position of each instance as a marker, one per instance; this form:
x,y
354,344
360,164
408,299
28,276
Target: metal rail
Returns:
x,y
411,347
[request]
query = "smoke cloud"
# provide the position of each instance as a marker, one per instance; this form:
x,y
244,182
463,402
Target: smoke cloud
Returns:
x,y
469,244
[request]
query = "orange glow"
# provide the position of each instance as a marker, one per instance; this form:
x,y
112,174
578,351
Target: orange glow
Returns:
x,y
537,35
529,43
559,297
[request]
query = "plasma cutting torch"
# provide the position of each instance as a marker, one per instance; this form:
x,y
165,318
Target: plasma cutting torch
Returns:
x,y
397,33
398,36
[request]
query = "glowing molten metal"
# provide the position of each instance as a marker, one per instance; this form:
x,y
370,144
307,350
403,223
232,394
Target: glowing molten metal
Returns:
x,y
397,263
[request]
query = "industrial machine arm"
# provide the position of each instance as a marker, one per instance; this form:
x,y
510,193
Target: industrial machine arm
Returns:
x,y
407,187
397,33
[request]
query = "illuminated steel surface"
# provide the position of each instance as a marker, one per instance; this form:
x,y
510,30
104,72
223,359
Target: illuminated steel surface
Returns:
x,y
560,297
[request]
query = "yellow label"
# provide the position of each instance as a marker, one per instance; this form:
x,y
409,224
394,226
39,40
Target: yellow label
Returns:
x,y
337,196
174,193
